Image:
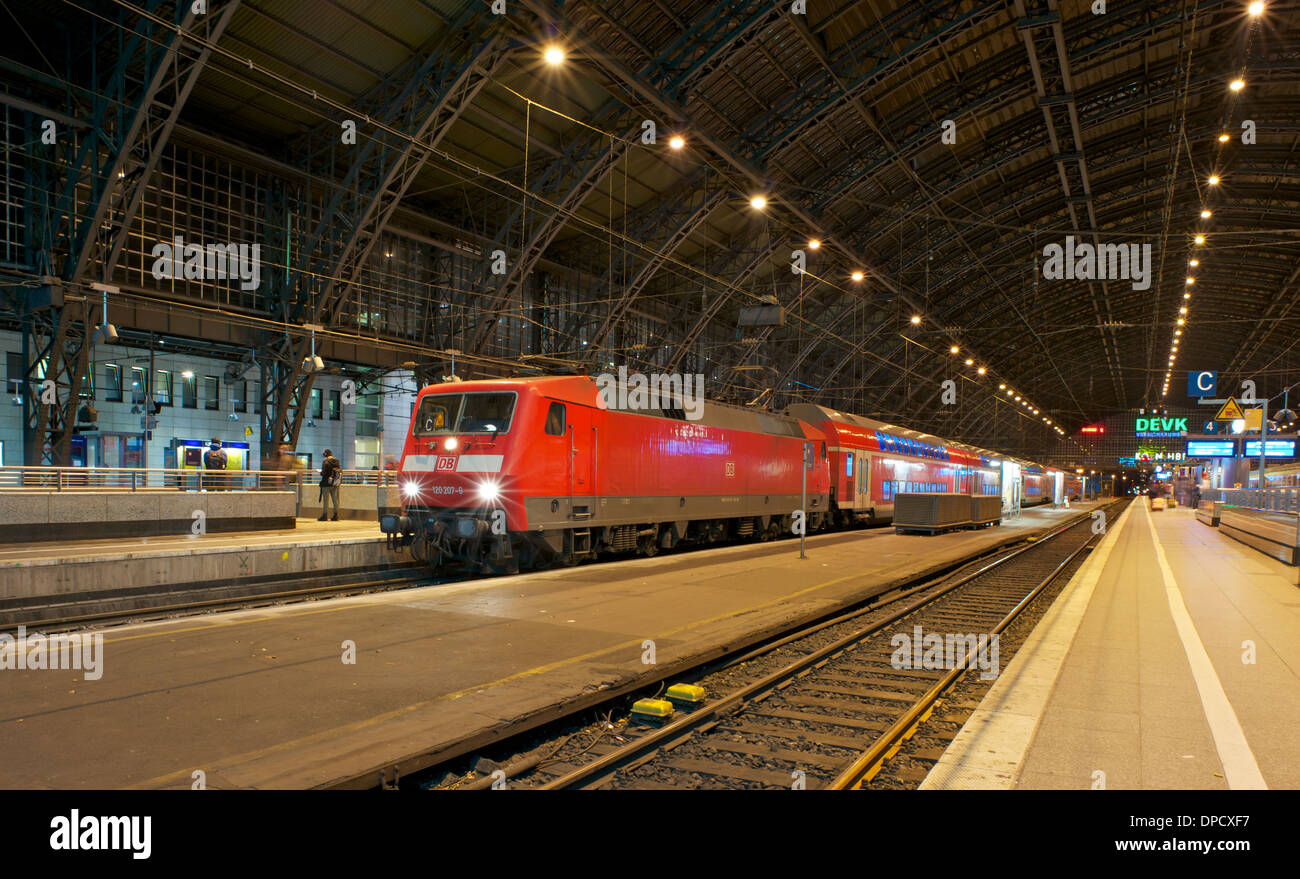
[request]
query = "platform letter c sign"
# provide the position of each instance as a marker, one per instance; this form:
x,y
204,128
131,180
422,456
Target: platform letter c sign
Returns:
x,y
647,652
200,780
1098,521
1098,780
797,523
349,652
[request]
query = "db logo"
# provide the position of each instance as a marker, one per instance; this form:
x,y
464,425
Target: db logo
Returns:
x,y
446,462
731,468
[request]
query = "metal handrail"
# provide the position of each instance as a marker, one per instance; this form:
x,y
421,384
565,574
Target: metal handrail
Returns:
x,y
1268,500
26,478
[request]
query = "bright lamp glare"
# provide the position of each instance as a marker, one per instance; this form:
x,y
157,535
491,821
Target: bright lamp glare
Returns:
x,y
411,489
489,492
554,56
450,444
758,202
677,142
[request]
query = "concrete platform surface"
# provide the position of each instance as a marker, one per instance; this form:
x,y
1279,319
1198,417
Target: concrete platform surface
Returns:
x,y
1171,661
272,699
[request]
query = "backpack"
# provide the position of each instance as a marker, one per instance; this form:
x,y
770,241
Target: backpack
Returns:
x,y
333,472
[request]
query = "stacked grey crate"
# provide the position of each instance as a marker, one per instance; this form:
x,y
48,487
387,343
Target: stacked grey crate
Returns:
x,y
919,511
985,509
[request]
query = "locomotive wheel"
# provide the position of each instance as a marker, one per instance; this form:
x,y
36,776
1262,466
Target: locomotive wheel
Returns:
x,y
648,547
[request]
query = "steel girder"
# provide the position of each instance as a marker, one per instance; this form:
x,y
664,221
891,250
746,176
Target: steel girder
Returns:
x,y
738,265
682,218
589,161
156,120
921,25
55,352
131,116
415,109
558,196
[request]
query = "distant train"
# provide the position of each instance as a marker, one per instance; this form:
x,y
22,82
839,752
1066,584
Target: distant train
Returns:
x,y
508,473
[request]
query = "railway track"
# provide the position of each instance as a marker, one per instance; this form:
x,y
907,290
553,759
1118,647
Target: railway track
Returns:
x,y
824,707
73,614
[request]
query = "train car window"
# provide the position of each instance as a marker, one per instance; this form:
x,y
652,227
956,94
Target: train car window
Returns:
x,y
848,464
555,420
823,451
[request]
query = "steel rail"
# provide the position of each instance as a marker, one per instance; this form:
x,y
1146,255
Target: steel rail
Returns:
x,y
866,766
699,716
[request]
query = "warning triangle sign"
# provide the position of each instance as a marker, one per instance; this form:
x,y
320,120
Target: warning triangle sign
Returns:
x,y
1229,411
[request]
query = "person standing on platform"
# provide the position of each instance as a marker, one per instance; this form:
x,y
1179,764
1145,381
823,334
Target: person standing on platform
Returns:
x,y
214,462
331,474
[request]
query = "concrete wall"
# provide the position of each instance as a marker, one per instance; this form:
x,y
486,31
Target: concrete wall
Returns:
x,y
77,515
226,565
355,501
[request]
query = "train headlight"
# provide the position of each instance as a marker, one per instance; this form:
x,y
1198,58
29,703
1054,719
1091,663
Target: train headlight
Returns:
x,y
451,444
411,489
488,492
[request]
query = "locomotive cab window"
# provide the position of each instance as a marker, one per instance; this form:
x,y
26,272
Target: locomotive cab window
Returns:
x,y
464,413
555,420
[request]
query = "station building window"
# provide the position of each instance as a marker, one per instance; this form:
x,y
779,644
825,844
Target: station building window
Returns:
x,y
163,387
112,383
335,406
239,396
138,388
317,408
189,391
211,392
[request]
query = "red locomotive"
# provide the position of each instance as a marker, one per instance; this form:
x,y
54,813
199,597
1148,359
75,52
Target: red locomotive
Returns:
x,y
506,473
509,473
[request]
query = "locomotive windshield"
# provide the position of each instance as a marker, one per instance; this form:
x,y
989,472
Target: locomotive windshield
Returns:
x,y
464,413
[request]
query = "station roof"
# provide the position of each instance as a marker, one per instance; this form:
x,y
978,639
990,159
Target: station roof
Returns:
x,y
937,147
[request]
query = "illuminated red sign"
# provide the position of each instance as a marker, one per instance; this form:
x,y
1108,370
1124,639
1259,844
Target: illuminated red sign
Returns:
x,y
1093,428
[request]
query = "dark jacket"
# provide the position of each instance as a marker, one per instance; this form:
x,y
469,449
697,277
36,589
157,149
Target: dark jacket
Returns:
x,y
330,471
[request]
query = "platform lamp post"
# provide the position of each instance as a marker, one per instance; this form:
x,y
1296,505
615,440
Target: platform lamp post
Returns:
x,y
803,495
1263,446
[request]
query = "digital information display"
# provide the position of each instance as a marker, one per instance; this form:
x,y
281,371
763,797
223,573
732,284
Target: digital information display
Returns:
x,y
1211,448
1274,449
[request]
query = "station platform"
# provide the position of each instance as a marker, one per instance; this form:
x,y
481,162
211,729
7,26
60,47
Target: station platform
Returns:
x,y
43,573
1170,661
268,699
